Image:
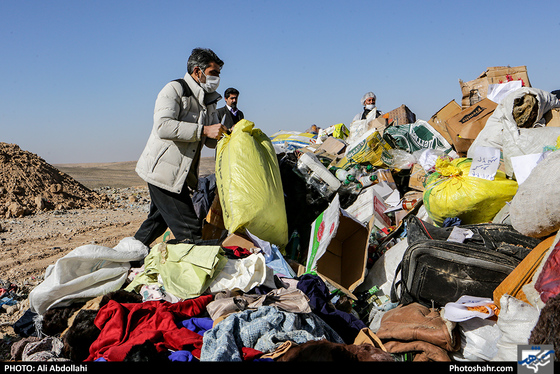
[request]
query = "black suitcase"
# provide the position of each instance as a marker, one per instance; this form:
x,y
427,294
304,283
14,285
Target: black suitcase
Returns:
x,y
434,271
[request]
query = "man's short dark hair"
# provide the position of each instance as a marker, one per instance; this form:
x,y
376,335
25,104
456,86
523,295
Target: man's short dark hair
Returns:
x,y
202,57
230,91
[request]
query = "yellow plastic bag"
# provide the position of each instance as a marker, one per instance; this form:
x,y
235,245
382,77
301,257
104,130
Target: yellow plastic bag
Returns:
x,y
450,192
340,131
367,149
250,186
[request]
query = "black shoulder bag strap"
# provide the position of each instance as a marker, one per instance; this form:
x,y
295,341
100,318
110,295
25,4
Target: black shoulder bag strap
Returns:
x,y
186,89
209,98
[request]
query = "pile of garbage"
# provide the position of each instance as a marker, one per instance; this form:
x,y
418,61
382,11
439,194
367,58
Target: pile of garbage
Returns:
x,y
390,239
28,184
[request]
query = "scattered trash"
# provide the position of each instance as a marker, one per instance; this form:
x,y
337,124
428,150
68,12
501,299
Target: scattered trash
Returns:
x,y
373,236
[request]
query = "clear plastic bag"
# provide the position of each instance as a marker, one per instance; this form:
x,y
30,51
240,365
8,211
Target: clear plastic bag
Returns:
x,y
399,159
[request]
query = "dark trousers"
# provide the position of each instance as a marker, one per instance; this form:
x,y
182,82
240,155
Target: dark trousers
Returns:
x,y
173,211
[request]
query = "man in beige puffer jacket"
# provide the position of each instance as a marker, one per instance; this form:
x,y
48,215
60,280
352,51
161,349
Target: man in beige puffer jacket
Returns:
x,y
183,123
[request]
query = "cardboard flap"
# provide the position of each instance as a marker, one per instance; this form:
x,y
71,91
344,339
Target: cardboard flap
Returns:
x,y
238,240
439,120
332,146
339,248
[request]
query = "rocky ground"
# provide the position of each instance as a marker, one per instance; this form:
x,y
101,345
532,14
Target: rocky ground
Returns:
x,y
36,238
29,244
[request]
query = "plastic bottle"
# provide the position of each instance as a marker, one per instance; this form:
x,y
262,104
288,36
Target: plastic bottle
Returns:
x,y
317,175
385,175
344,175
293,246
355,170
365,301
316,182
367,180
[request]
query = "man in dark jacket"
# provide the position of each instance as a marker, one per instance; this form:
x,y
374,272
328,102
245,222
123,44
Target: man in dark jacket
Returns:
x,y
230,111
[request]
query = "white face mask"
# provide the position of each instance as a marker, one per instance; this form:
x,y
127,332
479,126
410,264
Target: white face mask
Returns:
x,y
370,106
211,83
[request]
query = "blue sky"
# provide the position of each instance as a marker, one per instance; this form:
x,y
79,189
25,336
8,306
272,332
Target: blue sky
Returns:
x,y
79,78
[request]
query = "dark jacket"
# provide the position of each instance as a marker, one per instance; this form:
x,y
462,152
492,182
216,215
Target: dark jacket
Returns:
x,y
230,120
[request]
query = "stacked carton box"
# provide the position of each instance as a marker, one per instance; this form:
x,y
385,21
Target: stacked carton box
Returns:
x,y
400,116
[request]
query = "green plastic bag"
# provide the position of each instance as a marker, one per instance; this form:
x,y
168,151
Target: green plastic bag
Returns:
x,y
249,184
185,270
415,136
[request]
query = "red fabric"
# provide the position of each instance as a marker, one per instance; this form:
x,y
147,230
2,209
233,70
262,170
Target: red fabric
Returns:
x,y
250,354
548,282
125,325
237,251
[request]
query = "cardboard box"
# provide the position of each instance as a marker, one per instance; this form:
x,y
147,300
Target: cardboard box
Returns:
x,y
400,116
368,204
477,89
211,232
552,117
238,240
465,126
439,120
417,178
215,214
331,149
399,216
338,249
167,235
379,124
332,145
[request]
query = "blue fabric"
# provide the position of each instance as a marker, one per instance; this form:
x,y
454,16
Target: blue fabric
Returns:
x,y
263,329
345,324
182,356
198,325
451,221
275,260
7,301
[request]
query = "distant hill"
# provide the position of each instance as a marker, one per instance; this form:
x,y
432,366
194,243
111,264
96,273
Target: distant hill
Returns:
x,y
117,174
29,184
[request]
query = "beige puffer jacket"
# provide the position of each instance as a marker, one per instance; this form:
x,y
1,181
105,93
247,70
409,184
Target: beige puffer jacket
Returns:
x,y
177,137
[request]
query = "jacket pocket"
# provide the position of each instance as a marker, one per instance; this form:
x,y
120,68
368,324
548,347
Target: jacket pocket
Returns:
x,y
159,156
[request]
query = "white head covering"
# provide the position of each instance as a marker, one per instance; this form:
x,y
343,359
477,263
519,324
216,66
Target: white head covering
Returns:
x,y
368,94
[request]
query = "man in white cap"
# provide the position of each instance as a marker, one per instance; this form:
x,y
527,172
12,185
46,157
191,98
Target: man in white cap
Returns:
x,y
370,110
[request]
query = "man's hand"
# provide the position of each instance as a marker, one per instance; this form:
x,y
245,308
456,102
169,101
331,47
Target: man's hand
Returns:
x,y
215,131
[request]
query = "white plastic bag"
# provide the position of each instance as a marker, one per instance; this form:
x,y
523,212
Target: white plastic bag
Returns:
x,y
479,339
515,321
243,274
86,272
501,130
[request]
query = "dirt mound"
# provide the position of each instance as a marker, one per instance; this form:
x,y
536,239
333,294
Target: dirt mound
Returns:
x,y
29,184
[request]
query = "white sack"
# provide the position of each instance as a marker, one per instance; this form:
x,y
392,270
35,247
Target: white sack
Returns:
x,y
84,273
534,208
501,130
515,321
